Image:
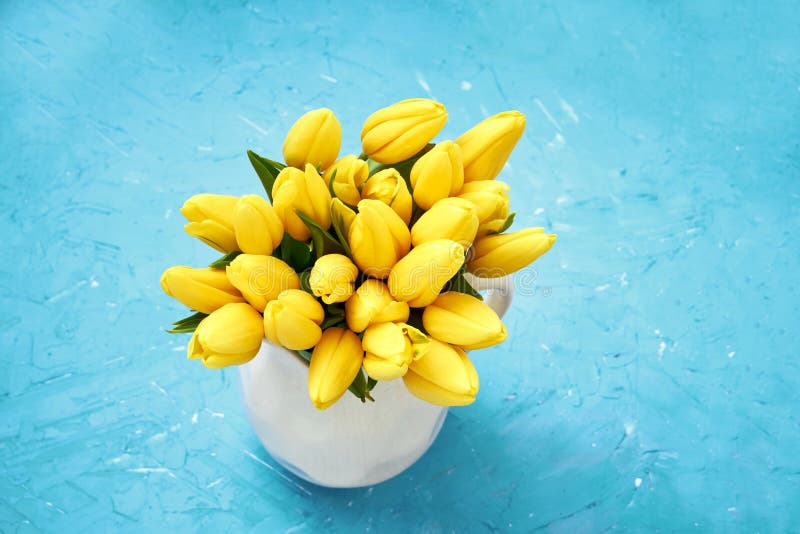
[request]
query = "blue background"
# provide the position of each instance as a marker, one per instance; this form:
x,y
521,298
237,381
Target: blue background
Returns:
x,y
650,381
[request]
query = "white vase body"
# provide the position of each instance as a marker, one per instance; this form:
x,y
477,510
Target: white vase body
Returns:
x,y
351,444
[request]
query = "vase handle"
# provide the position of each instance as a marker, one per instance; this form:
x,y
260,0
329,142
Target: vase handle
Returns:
x,y
497,292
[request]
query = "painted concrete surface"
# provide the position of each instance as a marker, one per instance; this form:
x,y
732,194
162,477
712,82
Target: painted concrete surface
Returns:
x,y
650,378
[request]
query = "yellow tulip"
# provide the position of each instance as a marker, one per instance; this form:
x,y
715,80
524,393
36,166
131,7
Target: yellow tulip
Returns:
x,y
211,220
332,278
463,320
348,175
451,218
390,348
292,320
261,278
391,189
305,191
372,303
398,132
314,139
490,198
419,277
488,144
497,255
335,362
258,228
203,290
444,376
231,335
378,237
438,174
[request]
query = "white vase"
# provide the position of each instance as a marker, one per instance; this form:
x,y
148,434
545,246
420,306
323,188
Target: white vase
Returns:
x,y
350,444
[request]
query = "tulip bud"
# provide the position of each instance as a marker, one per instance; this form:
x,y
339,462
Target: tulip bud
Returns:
x,y
258,228
444,376
390,348
450,218
497,255
437,174
371,304
332,278
314,139
378,237
488,144
422,273
391,189
490,198
231,335
335,362
463,320
203,290
292,320
398,132
211,220
261,278
305,191
348,174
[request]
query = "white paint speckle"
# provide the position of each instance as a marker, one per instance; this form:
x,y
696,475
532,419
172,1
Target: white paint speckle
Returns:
x,y
661,348
731,354
629,428
569,110
538,211
328,78
602,288
465,85
637,482
424,84
194,418
253,125
546,113
94,283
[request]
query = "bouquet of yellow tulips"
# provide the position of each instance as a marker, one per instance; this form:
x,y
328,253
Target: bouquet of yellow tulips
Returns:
x,y
358,263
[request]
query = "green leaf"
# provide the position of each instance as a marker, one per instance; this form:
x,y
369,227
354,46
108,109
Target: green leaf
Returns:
x,y
266,169
359,387
304,284
332,320
305,355
459,283
224,261
323,242
296,253
330,183
371,382
187,324
334,316
508,223
337,221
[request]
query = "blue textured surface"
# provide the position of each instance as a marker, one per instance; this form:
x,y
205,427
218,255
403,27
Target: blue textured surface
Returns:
x,y
649,383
